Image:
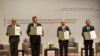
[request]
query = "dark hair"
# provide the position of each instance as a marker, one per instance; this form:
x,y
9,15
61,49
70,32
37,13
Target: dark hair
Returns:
x,y
34,17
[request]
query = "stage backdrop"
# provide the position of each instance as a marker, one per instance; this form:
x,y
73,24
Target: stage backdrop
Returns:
x,y
49,12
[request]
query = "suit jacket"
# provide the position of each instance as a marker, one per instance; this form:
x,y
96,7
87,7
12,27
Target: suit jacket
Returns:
x,y
33,38
60,29
13,38
86,30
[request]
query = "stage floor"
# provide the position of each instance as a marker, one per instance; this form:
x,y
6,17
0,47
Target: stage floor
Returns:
x,y
70,54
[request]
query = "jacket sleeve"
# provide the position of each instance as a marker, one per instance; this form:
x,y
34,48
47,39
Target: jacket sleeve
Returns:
x,y
83,32
58,32
93,27
28,30
69,31
7,31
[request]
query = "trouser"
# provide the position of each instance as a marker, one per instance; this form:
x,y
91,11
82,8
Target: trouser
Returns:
x,y
35,43
63,45
14,48
88,47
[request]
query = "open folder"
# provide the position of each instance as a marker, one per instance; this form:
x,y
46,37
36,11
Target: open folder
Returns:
x,y
12,31
90,35
35,30
63,35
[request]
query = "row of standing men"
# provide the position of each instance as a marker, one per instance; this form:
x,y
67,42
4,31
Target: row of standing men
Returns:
x,y
35,40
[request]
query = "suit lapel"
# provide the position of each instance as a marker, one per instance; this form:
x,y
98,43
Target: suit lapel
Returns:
x,y
88,29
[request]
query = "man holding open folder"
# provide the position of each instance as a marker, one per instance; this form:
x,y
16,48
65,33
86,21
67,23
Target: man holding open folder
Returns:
x,y
88,43
63,33
35,31
14,31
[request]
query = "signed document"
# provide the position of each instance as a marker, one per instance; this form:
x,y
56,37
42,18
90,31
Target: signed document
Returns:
x,y
90,35
17,31
13,31
36,30
64,35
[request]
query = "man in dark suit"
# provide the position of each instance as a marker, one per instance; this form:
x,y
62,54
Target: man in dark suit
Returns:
x,y
88,44
63,44
35,40
13,39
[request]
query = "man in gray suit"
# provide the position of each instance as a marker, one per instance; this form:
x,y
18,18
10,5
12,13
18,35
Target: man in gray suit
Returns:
x,y
13,39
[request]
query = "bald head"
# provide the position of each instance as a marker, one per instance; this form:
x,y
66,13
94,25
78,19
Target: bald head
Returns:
x,y
87,22
62,22
13,21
